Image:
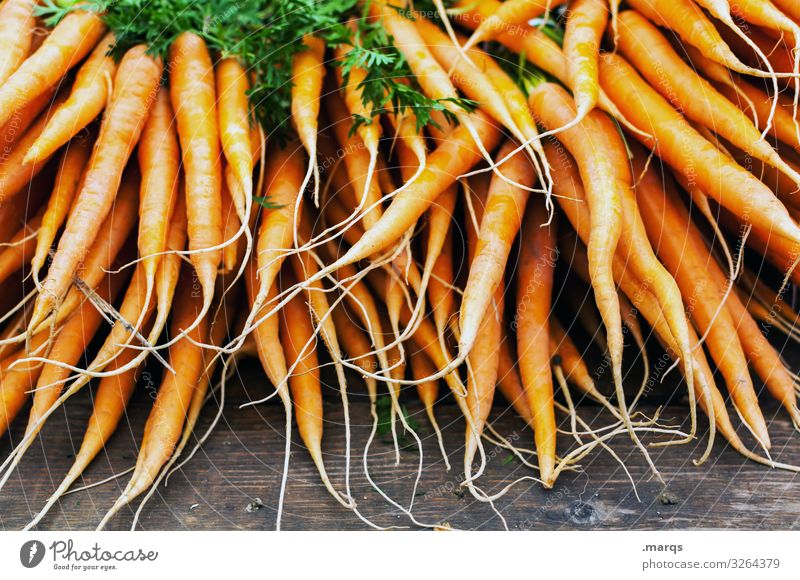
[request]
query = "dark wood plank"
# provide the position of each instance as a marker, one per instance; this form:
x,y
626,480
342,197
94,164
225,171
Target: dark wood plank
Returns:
x,y
233,481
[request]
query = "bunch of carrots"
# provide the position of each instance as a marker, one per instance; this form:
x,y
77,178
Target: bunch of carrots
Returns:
x,y
421,193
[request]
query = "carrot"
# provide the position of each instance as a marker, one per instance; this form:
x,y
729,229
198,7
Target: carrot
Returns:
x,y
159,162
88,97
509,382
110,401
67,181
194,101
297,333
17,23
71,40
595,148
234,124
762,356
651,53
283,176
677,143
505,207
586,22
358,161
67,348
356,344
164,424
509,15
308,72
21,247
369,130
135,87
704,298
482,360
271,355
534,286
440,291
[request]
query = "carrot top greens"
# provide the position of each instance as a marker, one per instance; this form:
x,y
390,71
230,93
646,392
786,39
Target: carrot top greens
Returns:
x,y
265,35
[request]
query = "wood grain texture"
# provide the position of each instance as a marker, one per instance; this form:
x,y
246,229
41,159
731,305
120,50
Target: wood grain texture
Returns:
x,y
233,481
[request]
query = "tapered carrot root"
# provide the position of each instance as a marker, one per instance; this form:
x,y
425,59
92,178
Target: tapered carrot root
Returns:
x,y
428,391
534,286
505,207
135,87
88,97
304,382
586,22
308,72
67,44
66,186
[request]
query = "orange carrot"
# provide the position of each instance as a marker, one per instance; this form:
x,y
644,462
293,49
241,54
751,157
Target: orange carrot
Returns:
x,y
194,101
505,207
159,163
596,148
15,128
304,382
684,149
586,22
308,72
234,121
16,32
68,180
71,40
357,160
88,97
534,286
135,87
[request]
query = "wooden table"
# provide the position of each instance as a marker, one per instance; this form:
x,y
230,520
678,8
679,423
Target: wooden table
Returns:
x,y
233,482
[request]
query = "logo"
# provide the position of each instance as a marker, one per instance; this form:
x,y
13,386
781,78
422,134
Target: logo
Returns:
x,y
31,553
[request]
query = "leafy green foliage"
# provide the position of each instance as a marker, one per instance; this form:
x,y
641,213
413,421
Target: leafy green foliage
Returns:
x,y
389,79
